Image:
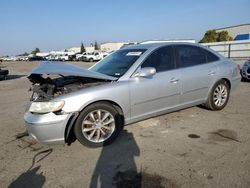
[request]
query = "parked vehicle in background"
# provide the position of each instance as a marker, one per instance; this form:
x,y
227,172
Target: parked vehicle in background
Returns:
x,y
131,84
51,57
64,57
73,57
79,57
245,71
95,56
67,56
22,58
35,58
57,57
60,57
9,58
3,73
104,54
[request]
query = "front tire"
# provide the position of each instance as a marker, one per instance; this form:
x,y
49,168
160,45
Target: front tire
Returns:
x,y
219,96
98,125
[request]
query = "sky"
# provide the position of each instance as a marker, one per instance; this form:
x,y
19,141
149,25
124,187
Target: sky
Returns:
x,y
59,24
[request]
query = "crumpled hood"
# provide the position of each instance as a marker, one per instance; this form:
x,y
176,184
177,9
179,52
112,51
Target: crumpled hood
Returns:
x,y
51,67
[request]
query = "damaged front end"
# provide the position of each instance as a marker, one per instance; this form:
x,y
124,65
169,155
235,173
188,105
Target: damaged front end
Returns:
x,y
44,89
45,120
52,79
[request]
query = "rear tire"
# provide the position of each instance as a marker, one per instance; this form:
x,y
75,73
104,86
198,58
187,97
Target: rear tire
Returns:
x,y
218,96
98,125
91,60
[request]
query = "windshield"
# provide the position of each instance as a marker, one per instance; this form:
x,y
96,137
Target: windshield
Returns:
x,y
117,63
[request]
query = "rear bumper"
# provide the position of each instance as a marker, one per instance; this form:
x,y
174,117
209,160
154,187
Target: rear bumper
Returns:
x,y
235,82
47,128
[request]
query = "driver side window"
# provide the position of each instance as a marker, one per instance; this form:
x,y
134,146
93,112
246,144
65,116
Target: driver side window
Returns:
x,y
161,59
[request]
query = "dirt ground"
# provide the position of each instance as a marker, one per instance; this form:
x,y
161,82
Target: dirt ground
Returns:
x,y
194,147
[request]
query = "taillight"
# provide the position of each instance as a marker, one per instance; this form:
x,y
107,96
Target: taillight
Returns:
x,y
238,66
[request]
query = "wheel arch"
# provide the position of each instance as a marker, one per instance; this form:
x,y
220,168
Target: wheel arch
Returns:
x,y
69,135
227,81
208,103
211,87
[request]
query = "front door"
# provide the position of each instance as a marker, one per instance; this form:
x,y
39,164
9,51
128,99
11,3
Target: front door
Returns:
x,y
151,95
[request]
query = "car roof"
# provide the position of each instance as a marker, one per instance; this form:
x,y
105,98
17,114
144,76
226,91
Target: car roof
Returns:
x,y
155,45
158,44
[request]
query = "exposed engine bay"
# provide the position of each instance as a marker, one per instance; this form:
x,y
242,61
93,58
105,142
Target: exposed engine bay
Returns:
x,y
45,89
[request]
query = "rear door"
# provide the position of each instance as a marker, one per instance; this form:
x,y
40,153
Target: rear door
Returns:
x,y
197,72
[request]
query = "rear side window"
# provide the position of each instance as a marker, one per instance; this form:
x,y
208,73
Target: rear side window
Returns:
x,y
190,55
211,57
161,59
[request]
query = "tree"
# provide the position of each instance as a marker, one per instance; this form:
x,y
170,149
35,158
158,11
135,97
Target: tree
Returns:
x,y
24,54
82,49
96,46
224,36
34,52
213,36
210,36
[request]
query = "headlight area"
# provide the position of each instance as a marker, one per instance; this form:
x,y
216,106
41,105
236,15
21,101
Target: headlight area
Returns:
x,y
46,107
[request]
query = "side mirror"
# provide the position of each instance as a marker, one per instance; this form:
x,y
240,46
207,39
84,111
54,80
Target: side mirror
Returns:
x,y
145,72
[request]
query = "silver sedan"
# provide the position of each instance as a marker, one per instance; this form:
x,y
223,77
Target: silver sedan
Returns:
x,y
134,83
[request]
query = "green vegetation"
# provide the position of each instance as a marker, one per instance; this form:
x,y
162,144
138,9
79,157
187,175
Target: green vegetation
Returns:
x,y
34,52
224,36
97,46
213,36
24,54
82,50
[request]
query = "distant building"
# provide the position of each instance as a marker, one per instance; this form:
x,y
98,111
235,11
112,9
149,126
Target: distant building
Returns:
x,y
74,49
78,49
42,54
234,31
113,46
163,41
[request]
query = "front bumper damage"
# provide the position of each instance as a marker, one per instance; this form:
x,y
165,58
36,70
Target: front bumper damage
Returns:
x,y
47,128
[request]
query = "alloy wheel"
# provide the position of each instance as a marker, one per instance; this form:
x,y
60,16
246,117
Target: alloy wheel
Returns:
x,y
220,95
98,125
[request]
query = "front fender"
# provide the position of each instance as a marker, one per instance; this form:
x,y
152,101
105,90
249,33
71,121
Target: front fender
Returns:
x,y
117,92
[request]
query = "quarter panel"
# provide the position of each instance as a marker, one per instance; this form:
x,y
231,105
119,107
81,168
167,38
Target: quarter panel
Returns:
x,y
227,69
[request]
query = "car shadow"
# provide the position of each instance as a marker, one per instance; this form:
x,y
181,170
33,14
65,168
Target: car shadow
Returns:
x,y
13,77
244,80
116,165
29,178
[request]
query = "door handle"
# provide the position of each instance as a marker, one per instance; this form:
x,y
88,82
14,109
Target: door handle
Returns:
x,y
174,80
211,73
